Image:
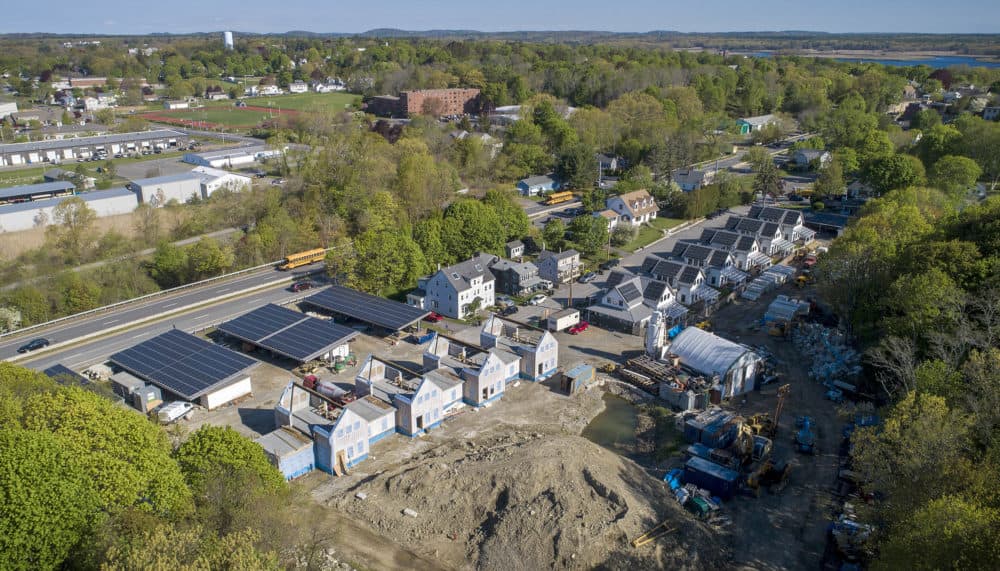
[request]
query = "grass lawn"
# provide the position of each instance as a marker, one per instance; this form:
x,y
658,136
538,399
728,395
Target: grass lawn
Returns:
x,y
652,232
227,116
19,177
337,101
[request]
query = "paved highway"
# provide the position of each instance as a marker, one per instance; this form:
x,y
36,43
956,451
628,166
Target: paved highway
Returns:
x,y
94,351
144,310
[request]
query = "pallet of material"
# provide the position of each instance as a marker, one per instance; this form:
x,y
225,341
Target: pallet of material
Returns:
x,y
638,380
651,368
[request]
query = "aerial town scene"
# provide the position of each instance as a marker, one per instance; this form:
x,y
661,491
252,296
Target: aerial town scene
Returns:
x,y
318,286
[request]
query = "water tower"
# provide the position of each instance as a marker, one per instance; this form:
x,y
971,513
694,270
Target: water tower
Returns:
x,y
227,40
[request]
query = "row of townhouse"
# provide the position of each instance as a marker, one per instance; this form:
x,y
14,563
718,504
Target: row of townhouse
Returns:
x,y
460,289
393,399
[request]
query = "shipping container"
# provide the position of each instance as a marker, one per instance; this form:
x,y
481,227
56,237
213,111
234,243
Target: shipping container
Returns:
x,y
719,481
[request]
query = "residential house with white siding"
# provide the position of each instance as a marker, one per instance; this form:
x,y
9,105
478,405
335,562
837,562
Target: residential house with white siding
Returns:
x,y
538,350
629,301
559,267
718,265
688,281
745,249
457,290
768,234
634,208
790,221
484,373
419,401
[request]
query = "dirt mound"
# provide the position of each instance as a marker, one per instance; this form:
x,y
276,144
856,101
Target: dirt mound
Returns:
x,y
527,501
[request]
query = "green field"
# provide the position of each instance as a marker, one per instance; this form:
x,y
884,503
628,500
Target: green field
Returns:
x,y
297,102
229,116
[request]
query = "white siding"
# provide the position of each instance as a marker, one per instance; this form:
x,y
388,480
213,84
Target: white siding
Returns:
x,y
226,394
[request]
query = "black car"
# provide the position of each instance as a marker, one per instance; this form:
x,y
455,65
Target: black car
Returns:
x,y
33,345
509,310
611,264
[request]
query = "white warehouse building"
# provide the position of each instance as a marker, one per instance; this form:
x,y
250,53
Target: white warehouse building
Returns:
x,y
160,190
213,179
231,157
28,215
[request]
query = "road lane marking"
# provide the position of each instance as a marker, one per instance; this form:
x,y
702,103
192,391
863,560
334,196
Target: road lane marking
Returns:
x,y
110,321
140,335
200,316
169,305
74,355
224,290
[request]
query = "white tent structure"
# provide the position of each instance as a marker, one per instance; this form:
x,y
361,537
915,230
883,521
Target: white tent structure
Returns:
x,y
710,355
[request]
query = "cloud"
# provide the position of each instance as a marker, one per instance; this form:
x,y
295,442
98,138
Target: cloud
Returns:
x,y
109,22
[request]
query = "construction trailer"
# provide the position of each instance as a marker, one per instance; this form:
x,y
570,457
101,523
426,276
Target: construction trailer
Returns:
x,y
563,319
577,379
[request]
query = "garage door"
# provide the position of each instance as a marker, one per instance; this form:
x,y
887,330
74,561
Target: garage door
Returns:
x,y
232,392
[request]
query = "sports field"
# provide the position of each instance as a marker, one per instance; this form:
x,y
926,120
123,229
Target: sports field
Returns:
x,y
225,114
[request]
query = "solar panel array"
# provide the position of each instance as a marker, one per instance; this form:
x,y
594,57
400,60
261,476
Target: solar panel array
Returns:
x,y
372,309
62,374
182,363
288,332
630,292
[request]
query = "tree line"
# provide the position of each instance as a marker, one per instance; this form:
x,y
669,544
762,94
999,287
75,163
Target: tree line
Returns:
x,y
87,484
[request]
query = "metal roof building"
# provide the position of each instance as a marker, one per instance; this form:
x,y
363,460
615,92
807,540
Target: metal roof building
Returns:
x,y
27,215
57,150
189,367
39,191
160,190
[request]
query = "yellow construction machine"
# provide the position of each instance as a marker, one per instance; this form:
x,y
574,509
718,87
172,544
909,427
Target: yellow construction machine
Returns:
x,y
768,474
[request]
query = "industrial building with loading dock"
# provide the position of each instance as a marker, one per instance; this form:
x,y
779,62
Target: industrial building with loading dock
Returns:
x,y
39,213
160,190
189,368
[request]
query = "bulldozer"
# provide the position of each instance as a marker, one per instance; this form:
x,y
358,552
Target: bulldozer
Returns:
x,y
761,424
770,474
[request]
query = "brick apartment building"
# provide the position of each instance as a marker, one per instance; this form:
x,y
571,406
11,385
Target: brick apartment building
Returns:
x,y
439,102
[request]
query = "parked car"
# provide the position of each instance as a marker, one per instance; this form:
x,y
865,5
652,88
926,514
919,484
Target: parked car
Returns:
x,y
587,277
33,345
614,263
503,300
434,317
278,181
303,285
579,328
537,299
509,310
173,411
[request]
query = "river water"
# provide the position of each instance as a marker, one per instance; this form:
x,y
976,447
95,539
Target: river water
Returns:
x,y
932,61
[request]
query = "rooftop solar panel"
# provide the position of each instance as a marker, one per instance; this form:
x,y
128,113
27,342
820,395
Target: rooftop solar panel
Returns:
x,y
63,375
288,332
372,309
183,364
630,292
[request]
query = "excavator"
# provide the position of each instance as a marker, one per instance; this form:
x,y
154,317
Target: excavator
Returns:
x,y
770,474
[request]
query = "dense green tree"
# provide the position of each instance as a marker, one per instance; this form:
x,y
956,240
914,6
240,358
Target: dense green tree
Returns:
x,y
125,456
831,179
169,266
48,500
72,230
206,258
472,226
954,175
590,233
577,167
193,549
513,219
214,452
554,235
893,171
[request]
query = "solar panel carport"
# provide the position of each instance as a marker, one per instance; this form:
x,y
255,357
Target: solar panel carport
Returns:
x,y
288,333
378,311
189,367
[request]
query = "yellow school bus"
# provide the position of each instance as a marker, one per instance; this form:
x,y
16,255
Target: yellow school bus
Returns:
x,y
303,259
559,197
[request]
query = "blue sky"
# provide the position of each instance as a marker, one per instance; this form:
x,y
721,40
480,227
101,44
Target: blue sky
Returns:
x,y
182,16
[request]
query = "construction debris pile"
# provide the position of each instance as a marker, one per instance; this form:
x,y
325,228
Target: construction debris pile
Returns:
x,y
666,380
527,500
832,358
770,279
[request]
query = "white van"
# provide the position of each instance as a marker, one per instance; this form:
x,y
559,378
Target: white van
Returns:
x,y
172,411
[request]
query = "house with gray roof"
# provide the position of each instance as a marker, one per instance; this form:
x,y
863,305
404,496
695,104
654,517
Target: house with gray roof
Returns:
x,y
458,290
791,222
748,125
559,267
811,159
629,301
719,265
688,281
516,278
693,179
420,401
535,185
744,249
768,234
